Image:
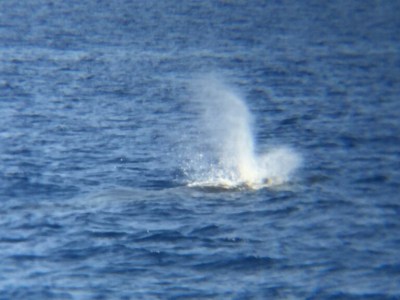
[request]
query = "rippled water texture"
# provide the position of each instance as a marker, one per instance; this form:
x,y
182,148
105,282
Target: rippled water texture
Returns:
x,y
102,135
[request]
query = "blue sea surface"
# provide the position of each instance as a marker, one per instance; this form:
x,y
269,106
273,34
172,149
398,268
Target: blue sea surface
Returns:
x,y
95,117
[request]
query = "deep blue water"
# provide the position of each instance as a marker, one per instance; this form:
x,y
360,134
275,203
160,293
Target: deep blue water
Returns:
x,y
95,111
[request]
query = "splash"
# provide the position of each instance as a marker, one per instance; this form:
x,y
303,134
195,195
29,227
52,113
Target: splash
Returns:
x,y
224,153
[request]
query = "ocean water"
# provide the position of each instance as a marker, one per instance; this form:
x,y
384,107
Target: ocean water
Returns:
x,y
199,149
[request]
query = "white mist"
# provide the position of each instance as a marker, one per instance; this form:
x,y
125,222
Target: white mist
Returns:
x,y
227,155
